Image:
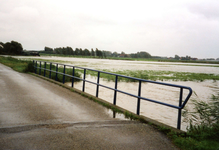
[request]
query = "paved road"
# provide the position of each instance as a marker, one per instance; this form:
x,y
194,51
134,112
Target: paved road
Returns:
x,y
36,114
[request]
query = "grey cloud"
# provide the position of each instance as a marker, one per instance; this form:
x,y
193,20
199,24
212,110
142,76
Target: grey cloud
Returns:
x,y
208,9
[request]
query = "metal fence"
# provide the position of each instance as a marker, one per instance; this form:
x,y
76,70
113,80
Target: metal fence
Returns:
x,y
38,65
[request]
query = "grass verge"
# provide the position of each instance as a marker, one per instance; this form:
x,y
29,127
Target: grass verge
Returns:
x,y
17,65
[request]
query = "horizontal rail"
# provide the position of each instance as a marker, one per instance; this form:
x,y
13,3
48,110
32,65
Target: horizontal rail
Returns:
x,y
180,107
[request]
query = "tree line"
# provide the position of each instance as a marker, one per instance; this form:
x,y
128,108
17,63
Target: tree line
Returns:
x,y
95,53
16,48
78,51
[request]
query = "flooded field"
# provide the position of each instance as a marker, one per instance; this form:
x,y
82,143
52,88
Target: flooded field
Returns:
x,y
201,90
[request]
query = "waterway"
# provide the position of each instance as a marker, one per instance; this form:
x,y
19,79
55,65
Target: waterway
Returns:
x,y
202,91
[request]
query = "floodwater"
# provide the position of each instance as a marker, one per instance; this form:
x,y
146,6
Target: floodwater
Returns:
x,y
201,90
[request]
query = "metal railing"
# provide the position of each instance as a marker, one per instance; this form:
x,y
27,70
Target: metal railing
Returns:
x,y
139,98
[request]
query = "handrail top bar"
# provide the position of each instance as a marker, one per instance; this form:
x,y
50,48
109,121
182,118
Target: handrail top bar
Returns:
x,y
151,100
149,81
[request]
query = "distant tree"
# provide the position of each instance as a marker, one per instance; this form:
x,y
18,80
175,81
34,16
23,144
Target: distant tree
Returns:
x,y
104,54
11,48
97,52
48,49
177,57
70,51
143,55
80,51
86,52
77,51
1,48
100,54
107,53
115,54
133,55
92,52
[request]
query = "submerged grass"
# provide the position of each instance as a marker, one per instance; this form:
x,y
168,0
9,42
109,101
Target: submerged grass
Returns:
x,y
155,75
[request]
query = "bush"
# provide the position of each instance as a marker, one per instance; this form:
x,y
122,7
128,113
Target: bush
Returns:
x,y
29,67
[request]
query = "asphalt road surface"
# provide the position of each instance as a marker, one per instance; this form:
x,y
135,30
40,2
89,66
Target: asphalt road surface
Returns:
x,y
37,114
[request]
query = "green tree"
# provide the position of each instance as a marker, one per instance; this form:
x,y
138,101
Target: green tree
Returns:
x,y
12,48
81,52
92,52
177,57
115,54
77,51
1,48
48,49
86,52
97,52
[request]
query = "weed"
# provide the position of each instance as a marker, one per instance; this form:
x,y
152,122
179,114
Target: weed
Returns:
x,y
203,132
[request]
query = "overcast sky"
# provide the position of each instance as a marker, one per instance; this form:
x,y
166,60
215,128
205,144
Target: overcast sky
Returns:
x,y
160,27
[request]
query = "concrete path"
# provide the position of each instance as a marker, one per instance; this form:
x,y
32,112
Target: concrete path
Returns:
x,y
36,114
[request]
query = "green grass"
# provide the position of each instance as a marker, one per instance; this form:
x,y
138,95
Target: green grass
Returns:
x,y
203,133
27,66
59,77
17,65
197,138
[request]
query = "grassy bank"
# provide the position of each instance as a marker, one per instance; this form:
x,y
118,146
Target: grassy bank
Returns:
x,y
17,65
27,66
203,133
58,77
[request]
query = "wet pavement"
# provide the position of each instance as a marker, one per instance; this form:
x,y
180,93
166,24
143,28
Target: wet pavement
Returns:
x,y
37,114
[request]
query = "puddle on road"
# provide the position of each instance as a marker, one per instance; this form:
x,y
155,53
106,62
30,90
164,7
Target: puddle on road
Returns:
x,y
116,115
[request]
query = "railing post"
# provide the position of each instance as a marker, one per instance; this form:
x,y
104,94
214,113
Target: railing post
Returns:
x,y
63,81
36,68
139,100
115,92
40,69
56,71
50,68
44,69
84,80
73,74
33,64
98,80
180,110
